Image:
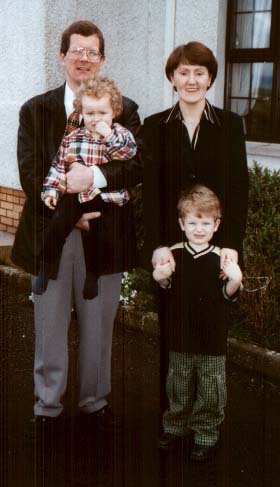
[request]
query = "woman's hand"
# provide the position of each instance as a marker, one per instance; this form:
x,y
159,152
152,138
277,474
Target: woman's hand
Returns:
x,y
232,271
163,255
228,254
162,272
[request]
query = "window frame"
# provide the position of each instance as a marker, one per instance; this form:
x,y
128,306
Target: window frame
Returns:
x,y
250,55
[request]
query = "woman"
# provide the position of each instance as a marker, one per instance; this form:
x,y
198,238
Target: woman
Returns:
x,y
189,143
192,142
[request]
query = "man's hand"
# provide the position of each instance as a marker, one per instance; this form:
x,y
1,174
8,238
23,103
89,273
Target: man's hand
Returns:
x,y
78,178
83,223
163,255
228,254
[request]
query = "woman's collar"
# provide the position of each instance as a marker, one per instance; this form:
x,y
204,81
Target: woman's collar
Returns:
x,y
209,113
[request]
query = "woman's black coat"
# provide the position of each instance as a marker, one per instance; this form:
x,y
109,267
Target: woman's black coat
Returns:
x,y
170,165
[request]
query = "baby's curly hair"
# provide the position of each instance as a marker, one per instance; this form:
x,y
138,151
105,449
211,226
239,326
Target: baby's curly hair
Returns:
x,y
97,88
200,200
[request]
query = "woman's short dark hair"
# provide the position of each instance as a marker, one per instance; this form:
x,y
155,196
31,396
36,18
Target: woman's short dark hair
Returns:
x,y
83,28
194,53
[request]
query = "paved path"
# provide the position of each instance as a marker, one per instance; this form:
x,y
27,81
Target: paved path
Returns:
x,y
125,454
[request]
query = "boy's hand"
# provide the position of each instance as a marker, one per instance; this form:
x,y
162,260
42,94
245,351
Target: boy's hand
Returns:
x,y
69,159
162,272
163,255
103,129
232,271
50,202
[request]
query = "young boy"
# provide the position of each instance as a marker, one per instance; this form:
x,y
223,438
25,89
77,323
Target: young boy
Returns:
x,y
99,141
195,310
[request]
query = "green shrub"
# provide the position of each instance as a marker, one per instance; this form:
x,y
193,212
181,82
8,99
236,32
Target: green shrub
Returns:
x,y
257,315
137,290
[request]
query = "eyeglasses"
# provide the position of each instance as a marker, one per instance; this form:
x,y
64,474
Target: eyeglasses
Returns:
x,y
92,55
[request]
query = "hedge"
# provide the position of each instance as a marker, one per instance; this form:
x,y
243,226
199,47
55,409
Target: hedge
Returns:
x,y
257,316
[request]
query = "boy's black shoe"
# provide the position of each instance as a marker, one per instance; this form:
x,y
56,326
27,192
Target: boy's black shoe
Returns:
x,y
103,414
167,441
201,453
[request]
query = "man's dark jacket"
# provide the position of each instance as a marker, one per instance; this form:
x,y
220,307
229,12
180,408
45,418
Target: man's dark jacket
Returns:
x,y
171,165
41,128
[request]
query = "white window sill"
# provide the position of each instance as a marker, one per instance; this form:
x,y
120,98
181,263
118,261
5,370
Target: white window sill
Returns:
x,y
265,153
263,149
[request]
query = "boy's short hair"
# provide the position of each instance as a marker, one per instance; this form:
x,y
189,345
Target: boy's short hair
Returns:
x,y
97,88
83,28
200,200
193,53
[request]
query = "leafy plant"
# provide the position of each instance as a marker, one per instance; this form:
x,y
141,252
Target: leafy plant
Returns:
x,y
137,290
258,310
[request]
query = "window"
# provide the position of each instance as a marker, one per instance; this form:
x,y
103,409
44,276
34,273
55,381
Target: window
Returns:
x,y
253,66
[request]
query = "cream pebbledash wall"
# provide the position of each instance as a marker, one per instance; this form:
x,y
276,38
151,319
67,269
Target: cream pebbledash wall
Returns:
x,y
137,42
22,73
139,35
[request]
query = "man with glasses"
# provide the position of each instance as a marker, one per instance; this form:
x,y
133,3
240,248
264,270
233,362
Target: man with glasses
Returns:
x,y
42,125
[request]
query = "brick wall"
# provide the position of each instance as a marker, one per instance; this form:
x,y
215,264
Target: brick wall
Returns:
x,y
11,203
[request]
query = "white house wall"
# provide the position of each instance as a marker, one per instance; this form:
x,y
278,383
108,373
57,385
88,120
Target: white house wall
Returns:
x,y
139,35
22,73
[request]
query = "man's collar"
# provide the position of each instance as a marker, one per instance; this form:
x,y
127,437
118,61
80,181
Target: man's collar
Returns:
x,y
69,96
209,113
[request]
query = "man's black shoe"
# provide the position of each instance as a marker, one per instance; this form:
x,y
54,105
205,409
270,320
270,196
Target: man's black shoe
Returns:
x,y
167,441
41,427
105,418
103,415
105,412
201,453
